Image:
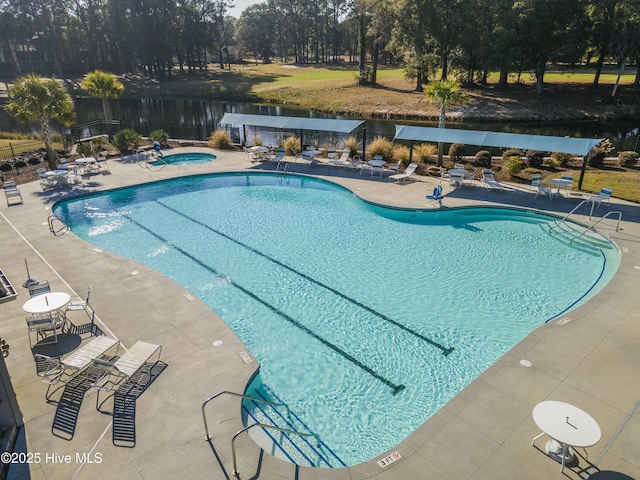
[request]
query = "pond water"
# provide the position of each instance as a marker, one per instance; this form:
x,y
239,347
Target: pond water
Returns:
x,y
195,119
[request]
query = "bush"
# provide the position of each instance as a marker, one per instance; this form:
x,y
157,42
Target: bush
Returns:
x,y
456,151
19,164
596,157
352,144
424,152
159,136
401,154
125,138
220,139
33,160
256,141
381,146
483,158
512,165
628,159
512,152
291,145
535,159
560,159
84,149
5,167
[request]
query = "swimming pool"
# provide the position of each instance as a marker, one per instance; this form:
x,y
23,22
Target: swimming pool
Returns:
x,y
365,320
190,158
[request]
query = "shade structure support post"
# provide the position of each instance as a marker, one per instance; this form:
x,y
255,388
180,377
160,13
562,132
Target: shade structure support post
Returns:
x,y
301,140
364,142
582,171
411,151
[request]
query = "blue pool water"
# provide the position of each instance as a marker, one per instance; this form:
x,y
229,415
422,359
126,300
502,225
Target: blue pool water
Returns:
x,y
192,158
365,320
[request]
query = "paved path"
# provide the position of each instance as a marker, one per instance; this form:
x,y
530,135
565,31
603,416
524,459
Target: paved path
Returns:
x,y
589,359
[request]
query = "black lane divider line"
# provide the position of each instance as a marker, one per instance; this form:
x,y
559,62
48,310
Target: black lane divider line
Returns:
x,y
395,388
445,350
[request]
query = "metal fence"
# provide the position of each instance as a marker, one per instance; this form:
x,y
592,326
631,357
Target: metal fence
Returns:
x,y
199,131
21,150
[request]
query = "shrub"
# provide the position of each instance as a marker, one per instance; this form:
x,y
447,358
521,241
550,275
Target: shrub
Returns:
x,y
19,164
352,144
483,158
98,142
256,141
628,159
423,152
512,165
125,138
291,145
33,160
535,159
220,139
5,167
84,149
456,152
401,154
596,157
159,136
512,152
381,146
560,159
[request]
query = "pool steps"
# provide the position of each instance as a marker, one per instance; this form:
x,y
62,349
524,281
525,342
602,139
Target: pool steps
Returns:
x,y
305,449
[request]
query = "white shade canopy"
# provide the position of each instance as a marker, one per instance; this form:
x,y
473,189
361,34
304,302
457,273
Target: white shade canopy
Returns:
x,y
291,123
543,143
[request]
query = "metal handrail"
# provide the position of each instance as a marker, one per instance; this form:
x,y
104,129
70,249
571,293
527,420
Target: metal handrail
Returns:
x,y
273,427
591,227
60,231
207,437
562,220
145,155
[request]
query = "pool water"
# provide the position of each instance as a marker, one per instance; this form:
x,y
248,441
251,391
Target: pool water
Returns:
x,y
365,320
184,159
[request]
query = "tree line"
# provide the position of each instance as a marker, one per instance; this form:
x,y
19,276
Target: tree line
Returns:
x,y
466,39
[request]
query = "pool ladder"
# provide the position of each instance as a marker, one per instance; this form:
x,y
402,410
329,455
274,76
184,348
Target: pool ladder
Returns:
x,y
286,431
588,228
57,226
148,156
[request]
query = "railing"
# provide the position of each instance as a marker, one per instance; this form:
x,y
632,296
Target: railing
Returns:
x,y
563,219
60,230
147,156
591,227
207,437
263,425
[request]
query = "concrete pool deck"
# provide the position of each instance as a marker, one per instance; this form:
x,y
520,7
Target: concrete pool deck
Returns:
x,y
589,358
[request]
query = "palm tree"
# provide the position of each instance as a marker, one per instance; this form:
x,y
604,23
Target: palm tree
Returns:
x,y
444,92
41,99
105,86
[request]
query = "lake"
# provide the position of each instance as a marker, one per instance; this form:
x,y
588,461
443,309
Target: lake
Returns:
x,y
195,119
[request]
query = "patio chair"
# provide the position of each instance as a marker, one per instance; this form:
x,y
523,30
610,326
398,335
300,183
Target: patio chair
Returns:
x,y
278,157
125,368
489,181
542,189
567,176
46,183
406,175
12,192
45,324
343,161
470,177
603,196
78,303
39,287
56,370
101,165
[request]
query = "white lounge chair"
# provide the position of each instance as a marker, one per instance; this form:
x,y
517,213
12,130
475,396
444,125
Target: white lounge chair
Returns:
x,y
489,181
12,193
603,196
407,174
343,161
125,368
55,370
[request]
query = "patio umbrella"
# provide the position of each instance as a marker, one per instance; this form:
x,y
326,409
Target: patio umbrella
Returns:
x,y
29,281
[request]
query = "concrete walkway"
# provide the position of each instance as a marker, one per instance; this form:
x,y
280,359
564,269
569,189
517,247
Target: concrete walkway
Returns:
x,y
589,359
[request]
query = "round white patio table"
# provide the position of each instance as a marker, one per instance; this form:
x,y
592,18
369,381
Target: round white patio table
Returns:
x,y
560,182
46,302
566,424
